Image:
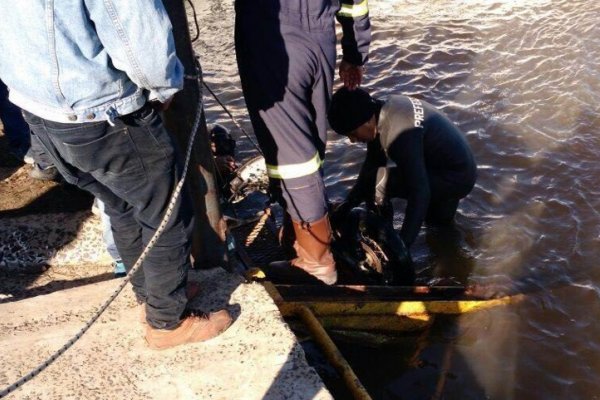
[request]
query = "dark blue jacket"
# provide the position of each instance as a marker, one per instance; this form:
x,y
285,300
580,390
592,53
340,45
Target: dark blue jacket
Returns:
x,y
319,15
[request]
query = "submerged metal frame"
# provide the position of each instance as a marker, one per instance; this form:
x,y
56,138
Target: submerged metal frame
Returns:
x,y
365,308
372,308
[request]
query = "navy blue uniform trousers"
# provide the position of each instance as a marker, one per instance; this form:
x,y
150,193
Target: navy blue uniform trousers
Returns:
x,y
17,131
15,128
286,69
132,167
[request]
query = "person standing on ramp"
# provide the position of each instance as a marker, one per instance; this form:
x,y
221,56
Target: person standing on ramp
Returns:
x,y
286,57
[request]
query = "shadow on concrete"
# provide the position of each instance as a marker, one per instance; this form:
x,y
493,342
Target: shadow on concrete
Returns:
x,y
30,235
61,198
54,286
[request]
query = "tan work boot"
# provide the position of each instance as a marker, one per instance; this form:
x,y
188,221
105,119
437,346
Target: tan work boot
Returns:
x,y
192,289
312,245
192,329
313,249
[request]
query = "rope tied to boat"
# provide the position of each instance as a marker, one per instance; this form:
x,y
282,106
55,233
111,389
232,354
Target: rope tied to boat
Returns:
x,y
258,227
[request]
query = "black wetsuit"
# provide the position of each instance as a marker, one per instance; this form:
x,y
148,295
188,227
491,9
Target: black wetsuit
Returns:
x,y
434,166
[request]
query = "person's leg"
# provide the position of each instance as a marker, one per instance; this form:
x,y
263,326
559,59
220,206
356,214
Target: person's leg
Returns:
x,y
109,241
447,188
135,161
441,212
287,99
40,157
310,82
107,234
444,198
129,236
43,167
279,95
15,127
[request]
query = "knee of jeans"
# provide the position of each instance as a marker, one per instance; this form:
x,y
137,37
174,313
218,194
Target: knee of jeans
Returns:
x,y
126,233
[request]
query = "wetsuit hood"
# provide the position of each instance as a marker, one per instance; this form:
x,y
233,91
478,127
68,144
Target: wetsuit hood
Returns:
x,y
350,109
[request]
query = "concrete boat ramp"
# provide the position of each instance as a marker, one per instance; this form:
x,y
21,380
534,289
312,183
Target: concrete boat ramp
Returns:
x,y
257,358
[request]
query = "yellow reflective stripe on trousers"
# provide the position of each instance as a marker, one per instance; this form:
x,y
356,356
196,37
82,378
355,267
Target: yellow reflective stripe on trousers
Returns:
x,y
291,171
353,11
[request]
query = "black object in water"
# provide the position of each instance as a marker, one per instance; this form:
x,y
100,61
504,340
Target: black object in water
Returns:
x,y
368,243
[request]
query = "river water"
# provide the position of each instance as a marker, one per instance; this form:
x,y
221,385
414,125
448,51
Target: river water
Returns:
x,y
522,80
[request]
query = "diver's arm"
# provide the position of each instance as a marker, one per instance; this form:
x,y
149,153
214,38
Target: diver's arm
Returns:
x,y
408,153
364,188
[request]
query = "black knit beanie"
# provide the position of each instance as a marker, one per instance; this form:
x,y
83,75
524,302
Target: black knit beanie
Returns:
x,y
350,109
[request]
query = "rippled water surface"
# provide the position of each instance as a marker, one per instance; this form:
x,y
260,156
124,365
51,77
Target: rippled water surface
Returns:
x,y
522,80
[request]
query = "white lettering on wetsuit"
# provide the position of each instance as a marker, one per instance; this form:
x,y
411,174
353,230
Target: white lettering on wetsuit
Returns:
x,y
418,112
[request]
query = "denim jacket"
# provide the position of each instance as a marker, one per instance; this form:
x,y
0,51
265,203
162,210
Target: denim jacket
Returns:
x,y
79,61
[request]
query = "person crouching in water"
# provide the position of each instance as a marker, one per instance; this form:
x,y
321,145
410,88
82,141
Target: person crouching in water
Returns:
x,y
434,166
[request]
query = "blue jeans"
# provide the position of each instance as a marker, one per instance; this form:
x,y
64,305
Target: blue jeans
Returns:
x,y
107,234
132,168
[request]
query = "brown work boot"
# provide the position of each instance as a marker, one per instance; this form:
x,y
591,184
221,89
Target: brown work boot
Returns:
x,y
313,250
192,329
192,289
